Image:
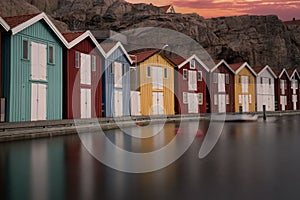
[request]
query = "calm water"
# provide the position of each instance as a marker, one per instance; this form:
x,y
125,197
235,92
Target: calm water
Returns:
x,y
250,161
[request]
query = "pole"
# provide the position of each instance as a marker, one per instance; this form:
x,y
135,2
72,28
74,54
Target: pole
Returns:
x,y
264,112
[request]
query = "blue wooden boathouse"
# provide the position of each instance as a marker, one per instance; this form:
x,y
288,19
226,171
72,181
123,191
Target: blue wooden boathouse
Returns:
x,y
116,80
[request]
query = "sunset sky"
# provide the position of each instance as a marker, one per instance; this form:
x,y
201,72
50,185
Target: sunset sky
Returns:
x,y
286,10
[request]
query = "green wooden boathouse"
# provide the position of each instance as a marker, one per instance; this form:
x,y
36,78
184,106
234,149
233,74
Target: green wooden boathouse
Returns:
x,y
32,69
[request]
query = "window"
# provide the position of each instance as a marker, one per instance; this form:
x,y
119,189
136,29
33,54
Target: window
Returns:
x,y
199,75
166,72
149,71
227,99
261,80
112,68
93,63
282,86
192,64
77,59
200,98
124,69
185,98
240,99
215,77
240,79
270,81
51,54
25,50
215,99
185,74
227,78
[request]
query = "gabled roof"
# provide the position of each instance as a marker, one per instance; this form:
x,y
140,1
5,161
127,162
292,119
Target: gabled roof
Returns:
x,y
19,23
15,21
293,72
219,64
114,48
166,8
4,24
177,60
280,72
107,46
236,66
76,37
239,66
70,36
184,62
142,56
260,70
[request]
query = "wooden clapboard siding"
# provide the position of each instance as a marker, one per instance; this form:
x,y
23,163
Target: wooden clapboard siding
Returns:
x,y
294,76
282,75
265,90
72,84
181,86
147,89
17,73
108,83
251,89
229,88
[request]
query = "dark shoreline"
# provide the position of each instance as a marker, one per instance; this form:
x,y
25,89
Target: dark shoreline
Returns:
x,y
42,129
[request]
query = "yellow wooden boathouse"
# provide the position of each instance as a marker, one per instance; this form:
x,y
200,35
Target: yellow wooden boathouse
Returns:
x,y
244,87
153,84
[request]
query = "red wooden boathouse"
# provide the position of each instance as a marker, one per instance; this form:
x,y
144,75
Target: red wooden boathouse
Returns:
x,y
82,76
282,92
221,90
190,85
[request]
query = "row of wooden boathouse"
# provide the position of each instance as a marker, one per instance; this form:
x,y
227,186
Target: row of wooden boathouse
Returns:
x,y
48,75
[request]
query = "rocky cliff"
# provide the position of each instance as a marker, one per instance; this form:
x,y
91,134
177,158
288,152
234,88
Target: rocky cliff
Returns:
x,y
260,40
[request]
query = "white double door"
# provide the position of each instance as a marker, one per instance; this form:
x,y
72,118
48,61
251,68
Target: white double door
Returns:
x,y
295,101
85,103
222,103
158,103
38,101
266,100
85,93
38,73
135,103
245,102
193,103
118,103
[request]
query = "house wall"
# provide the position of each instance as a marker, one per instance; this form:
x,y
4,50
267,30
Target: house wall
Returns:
x,y
17,74
278,92
181,86
265,91
72,81
146,88
108,84
296,93
251,89
229,88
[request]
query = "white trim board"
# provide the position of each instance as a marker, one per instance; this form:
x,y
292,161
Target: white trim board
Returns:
x,y
219,64
4,24
197,59
35,19
267,67
119,44
82,37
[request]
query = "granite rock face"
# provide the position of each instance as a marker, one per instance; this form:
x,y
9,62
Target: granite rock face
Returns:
x,y
259,40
